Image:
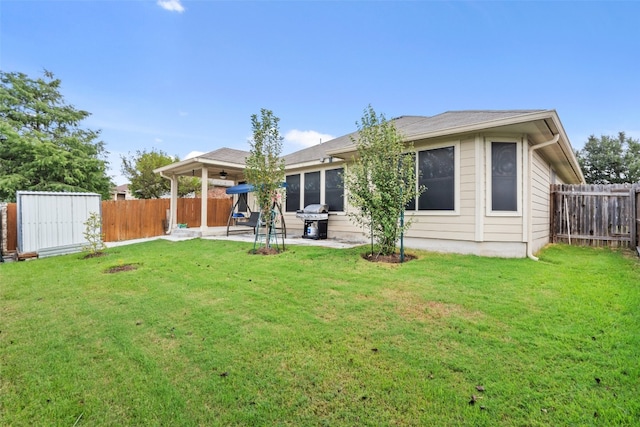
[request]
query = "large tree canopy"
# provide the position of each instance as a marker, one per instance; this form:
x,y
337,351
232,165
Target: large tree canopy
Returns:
x,y
145,184
610,160
42,144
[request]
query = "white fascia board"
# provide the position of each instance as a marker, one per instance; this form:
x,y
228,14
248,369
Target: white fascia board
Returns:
x,y
196,163
313,163
176,165
483,126
566,147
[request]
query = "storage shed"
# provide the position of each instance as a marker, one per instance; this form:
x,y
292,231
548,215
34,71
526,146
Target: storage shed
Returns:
x,y
52,223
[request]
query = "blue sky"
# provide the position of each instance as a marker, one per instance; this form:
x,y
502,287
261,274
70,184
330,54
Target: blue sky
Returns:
x,y
186,75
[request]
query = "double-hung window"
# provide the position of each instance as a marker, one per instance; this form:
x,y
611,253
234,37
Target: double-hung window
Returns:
x,y
293,193
438,175
504,181
333,189
311,188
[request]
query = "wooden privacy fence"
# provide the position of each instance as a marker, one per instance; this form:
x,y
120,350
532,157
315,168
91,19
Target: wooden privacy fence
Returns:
x,y
595,215
637,225
9,233
135,219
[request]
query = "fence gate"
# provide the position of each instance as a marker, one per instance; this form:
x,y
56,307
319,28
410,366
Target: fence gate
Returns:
x,y
595,214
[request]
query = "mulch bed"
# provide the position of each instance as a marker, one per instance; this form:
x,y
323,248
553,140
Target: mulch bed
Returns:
x,y
264,251
390,259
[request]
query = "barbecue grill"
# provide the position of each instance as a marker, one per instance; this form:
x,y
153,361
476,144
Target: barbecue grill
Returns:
x,y
315,218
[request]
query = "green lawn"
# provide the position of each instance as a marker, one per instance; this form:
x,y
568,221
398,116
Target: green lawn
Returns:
x,y
204,334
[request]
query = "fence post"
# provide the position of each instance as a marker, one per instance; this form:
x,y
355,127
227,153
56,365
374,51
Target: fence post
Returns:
x,y
3,228
633,195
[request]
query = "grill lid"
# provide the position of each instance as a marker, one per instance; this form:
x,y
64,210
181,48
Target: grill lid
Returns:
x,y
316,208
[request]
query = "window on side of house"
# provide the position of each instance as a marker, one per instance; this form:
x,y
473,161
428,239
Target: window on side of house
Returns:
x,y
293,193
504,176
334,189
311,188
437,175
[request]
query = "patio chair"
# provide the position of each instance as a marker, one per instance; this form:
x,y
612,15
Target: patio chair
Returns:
x,y
252,221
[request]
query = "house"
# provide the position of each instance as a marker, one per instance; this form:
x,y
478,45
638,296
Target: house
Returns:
x,y
121,192
487,175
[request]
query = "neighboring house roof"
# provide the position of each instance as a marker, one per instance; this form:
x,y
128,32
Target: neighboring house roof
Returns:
x,y
122,188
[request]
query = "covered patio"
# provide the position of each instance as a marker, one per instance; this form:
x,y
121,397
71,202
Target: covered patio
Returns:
x,y
225,166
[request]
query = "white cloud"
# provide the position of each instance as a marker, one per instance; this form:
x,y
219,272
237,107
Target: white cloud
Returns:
x,y
307,138
183,113
171,5
157,140
193,154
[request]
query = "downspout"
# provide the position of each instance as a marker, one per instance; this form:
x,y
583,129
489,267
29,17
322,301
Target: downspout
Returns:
x,y
533,148
169,225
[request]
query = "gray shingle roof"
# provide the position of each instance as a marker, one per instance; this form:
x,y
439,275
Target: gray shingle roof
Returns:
x,y
229,155
411,127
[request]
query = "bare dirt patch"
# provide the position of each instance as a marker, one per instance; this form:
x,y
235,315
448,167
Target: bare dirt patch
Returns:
x,y
94,255
409,306
121,268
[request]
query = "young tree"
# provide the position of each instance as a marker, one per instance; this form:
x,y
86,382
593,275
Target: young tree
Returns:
x,y
610,160
381,181
145,184
42,143
264,166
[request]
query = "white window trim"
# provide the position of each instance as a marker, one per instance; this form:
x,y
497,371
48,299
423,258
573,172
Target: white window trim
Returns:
x,y
456,178
489,167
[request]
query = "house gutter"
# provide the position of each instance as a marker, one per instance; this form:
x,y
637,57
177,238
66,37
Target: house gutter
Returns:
x,y
533,148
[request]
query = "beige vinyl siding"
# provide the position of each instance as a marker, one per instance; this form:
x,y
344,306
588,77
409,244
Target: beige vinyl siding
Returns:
x,y
540,205
468,179
503,226
503,229
460,226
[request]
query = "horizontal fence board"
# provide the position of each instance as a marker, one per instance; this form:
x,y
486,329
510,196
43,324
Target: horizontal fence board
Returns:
x,y
595,193
594,214
585,237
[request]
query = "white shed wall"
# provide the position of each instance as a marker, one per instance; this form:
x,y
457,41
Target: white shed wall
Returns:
x,y
53,220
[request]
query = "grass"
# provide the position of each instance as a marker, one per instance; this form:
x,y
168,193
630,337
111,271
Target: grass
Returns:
x,y
201,333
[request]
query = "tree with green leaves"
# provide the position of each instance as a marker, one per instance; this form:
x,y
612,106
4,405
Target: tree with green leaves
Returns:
x,y
610,160
145,184
264,167
43,146
381,181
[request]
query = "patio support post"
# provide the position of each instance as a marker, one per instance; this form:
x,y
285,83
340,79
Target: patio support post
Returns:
x,y
204,198
173,207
